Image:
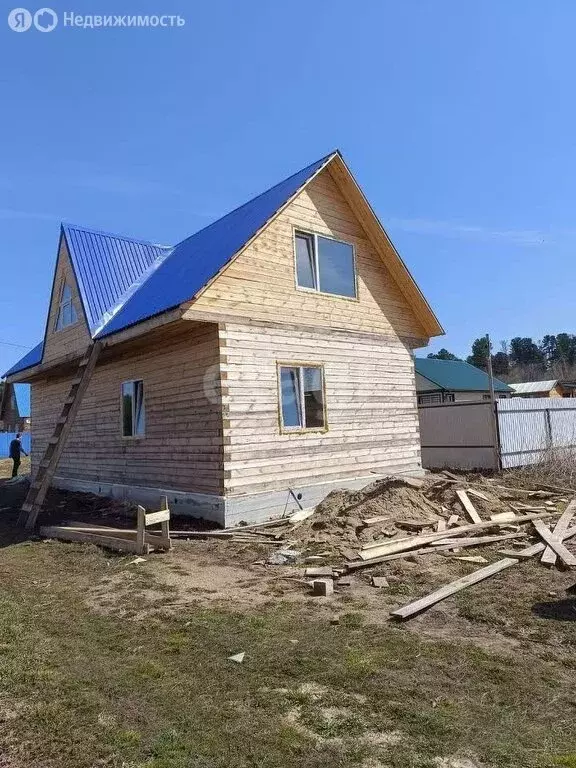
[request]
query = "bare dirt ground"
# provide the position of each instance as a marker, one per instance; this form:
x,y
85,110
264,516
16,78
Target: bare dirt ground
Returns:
x,y
111,662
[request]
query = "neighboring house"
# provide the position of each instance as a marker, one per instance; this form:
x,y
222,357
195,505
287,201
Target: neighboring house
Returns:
x,y
551,388
14,407
449,381
269,353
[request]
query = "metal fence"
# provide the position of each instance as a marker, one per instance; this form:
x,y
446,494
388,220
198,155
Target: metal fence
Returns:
x,y
458,435
465,435
7,437
530,427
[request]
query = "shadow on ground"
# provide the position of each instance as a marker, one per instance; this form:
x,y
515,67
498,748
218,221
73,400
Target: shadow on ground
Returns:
x,y
559,610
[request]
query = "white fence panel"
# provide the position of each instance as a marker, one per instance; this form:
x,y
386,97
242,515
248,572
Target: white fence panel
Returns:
x,y
529,427
457,436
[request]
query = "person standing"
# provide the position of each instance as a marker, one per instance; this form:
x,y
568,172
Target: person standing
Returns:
x,y
16,451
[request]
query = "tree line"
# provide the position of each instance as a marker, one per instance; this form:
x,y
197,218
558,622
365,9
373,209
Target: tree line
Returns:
x,y
523,359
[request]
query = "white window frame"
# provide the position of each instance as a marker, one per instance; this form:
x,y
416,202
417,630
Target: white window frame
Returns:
x,y
301,429
315,235
60,325
134,435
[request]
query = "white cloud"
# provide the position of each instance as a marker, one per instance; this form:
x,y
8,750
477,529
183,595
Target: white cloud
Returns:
x,y
529,237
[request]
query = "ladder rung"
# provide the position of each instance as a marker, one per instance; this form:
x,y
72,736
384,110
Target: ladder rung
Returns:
x,y
62,420
53,440
27,507
76,381
44,463
70,400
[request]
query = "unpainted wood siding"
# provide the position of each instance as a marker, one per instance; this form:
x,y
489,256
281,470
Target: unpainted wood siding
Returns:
x,y
74,338
182,447
261,284
370,403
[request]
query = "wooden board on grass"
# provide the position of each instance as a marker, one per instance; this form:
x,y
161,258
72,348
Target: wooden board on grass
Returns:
x,y
411,609
549,556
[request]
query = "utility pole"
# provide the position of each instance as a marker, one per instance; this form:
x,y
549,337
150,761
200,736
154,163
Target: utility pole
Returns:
x,y
494,416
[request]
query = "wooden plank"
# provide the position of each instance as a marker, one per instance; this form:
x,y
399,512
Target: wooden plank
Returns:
x,y
452,520
109,542
409,610
549,556
151,518
141,530
478,494
442,546
546,534
535,549
468,506
375,520
412,542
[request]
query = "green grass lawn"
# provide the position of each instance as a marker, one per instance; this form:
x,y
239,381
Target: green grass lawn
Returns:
x,y
82,687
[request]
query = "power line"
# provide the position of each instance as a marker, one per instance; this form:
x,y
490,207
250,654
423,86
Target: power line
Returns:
x,y
11,344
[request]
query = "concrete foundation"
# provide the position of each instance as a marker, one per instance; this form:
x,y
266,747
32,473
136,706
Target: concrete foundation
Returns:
x,y
226,511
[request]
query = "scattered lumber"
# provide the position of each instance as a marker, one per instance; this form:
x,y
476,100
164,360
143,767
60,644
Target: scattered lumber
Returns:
x,y
452,476
413,542
452,520
411,609
549,556
451,544
380,582
468,506
535,549
554,543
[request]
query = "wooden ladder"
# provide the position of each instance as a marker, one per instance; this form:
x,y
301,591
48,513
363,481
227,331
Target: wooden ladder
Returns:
x,y
47,467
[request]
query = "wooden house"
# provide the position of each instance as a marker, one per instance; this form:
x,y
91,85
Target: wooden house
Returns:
x,y
14,407
266,358
550,388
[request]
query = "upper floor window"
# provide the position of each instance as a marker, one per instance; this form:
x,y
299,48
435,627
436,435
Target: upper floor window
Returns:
x,y
66,311
325,265
133,411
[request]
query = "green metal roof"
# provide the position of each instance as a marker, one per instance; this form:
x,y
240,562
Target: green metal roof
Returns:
x,y
456,375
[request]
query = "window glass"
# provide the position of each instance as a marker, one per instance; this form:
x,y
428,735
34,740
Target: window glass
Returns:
x,y
336,267
290,390
313,397
127,408
66,311
305,267
301,389
139,413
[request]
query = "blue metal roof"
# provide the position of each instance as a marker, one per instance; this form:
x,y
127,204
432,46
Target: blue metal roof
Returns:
x,y
199,258
456,375
123,281
106,267
31,358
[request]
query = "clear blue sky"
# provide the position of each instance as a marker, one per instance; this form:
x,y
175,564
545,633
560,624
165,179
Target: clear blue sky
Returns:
x,y
457,118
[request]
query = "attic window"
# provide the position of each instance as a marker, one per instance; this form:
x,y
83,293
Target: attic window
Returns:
x,y
325,265
66,311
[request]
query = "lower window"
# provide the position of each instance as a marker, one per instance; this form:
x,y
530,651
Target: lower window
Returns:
x,y
133,412
302,397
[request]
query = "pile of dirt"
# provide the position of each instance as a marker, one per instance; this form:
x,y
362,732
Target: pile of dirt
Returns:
x,y
344,517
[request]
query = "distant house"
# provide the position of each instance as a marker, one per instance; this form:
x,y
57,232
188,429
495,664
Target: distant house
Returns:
x,y
14,407
449,381
551,388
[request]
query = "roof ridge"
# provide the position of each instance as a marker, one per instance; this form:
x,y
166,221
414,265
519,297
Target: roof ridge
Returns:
x,y
67,225
257,197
